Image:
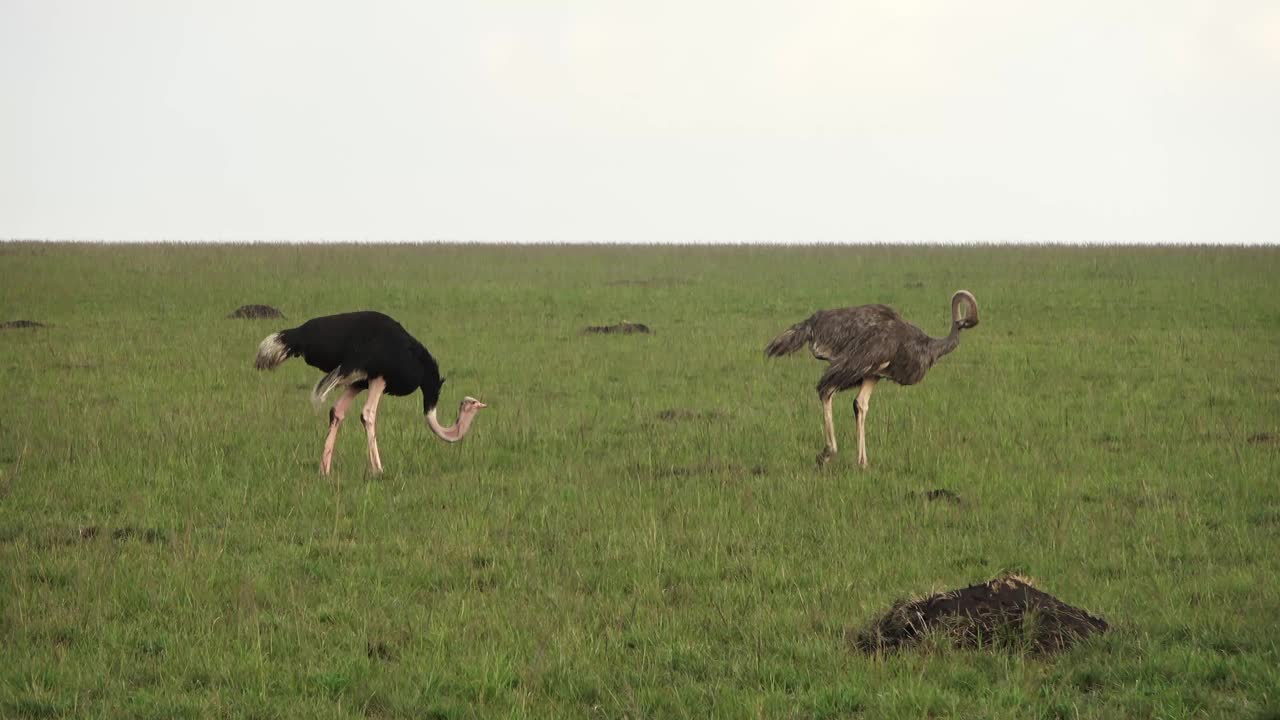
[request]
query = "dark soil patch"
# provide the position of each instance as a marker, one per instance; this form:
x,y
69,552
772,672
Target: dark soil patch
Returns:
x,y
255,312
19,324
678,414
147,535
622,328
648,282
51,537
1263,438
704,470
1005,612
379,651
942,494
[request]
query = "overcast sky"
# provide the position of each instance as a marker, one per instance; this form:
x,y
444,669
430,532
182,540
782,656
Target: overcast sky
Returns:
x,y
1138,121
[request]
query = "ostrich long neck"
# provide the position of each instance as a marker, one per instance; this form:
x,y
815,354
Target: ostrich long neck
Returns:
x,y
943,345
454,432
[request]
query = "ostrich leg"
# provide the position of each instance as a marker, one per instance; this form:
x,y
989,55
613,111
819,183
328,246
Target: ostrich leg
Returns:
x,y
828,427
860,411
369,416
338,412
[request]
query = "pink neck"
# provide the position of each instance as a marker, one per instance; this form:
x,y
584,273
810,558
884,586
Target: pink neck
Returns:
x,y
454,432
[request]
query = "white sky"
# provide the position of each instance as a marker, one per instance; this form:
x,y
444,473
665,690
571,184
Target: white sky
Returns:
x,y
1134,121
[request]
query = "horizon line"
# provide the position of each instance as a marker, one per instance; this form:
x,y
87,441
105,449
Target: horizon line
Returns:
x,y
688,244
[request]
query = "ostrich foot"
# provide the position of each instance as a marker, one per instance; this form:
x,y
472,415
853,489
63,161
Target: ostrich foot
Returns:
x,y
824,457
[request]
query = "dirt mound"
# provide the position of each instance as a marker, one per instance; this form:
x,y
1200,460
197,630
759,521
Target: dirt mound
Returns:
x,y
681,414
942,494
648,282
622,328
16,324
255,312
379,650
1004,612
702,470
148,535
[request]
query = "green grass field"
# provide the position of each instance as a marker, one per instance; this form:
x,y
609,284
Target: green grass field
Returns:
x,y
636,527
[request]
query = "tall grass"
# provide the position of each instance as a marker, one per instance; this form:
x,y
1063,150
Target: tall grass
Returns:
x,y
636,527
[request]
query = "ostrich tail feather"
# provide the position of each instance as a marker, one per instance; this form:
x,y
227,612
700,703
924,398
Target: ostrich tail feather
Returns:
x,y
271,352
789,341
332,379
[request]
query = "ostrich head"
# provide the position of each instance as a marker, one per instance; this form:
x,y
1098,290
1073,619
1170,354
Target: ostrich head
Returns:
x,y
467,410
969,318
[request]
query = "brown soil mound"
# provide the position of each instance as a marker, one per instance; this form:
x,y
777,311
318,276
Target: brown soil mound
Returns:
x,y
147,535
942,494
1005,611
15,324
255,312
623,328
648,282
681,414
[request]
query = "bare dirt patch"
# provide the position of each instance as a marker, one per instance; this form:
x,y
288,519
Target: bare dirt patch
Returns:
x,y
19,324
648,282
379,650
622,328
147,535
1005,612
733,470
683,414
942,494
86,533
1263,438
255,312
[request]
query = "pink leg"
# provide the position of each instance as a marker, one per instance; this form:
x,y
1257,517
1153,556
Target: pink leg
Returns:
x,y
860,408
369,416
338,412
828,429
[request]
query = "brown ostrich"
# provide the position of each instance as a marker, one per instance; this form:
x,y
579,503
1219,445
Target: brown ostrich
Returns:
x,y
864,344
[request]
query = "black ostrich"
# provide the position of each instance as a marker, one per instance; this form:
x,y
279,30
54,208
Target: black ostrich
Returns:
x,y
863,345
365,350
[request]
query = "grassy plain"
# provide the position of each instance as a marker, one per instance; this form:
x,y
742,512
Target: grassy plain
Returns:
x,y
635,528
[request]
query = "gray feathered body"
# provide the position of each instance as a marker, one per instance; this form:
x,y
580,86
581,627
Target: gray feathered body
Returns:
x,y
864,341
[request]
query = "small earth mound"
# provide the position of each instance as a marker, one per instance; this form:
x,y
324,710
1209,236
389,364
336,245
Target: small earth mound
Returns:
x,y
622,328
1006,611
942,494
147,535
255,312
86,533
681,414
1263,438
648,282
17,324
379,650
